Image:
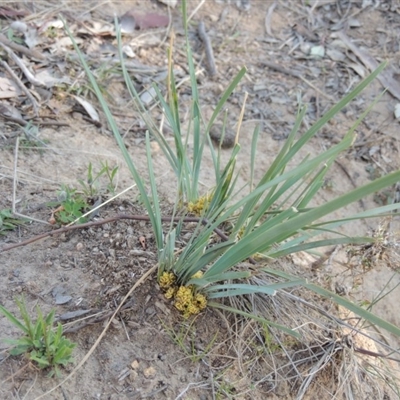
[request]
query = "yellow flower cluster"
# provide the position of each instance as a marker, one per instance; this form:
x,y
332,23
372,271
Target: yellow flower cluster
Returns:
x,y
170,292
186,299
167,279
197,275
188,302
200,205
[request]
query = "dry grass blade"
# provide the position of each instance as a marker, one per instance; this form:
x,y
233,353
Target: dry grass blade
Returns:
x,y
327,351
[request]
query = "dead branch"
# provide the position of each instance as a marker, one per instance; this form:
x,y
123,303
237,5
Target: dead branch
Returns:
x,y
28,74
64,229
22,86
212,69
21,49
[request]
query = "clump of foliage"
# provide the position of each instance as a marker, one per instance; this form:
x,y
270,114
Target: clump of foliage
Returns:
x,y
46,347
72,206
74,203
93,186
276,218
8,222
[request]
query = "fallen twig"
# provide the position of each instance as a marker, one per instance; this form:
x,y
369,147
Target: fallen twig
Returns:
x,y
22,86
64,229
24,122
218,231
28,74
212,69
21,49
92,319
268,18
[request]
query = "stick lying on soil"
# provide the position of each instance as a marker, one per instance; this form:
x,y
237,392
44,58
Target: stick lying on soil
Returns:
x,y
21,49
219,232
212,69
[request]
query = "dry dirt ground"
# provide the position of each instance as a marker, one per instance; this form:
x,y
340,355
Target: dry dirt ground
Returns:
x,y
149,351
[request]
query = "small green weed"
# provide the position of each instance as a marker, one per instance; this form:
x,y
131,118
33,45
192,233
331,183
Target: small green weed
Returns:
x,y
8,222
73,203
41,344
73,206
93,186
72,209
13,37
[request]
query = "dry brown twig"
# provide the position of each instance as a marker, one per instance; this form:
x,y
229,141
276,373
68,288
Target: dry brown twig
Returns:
x,y
92,319
212,69
21,85
22,122
28,74
64,229
21,49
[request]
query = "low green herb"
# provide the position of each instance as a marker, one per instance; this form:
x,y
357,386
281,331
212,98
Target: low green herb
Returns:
x,y
43,345
93,187
73,206
8,222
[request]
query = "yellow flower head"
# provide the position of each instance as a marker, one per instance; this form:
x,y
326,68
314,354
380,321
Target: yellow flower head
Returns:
x,y
167,279
201,301
186,300
184,295
170,293
192,309
180,306
198,207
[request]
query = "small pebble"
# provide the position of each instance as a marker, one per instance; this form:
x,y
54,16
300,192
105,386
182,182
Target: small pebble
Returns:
x,y
149,372
116,324
228,140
